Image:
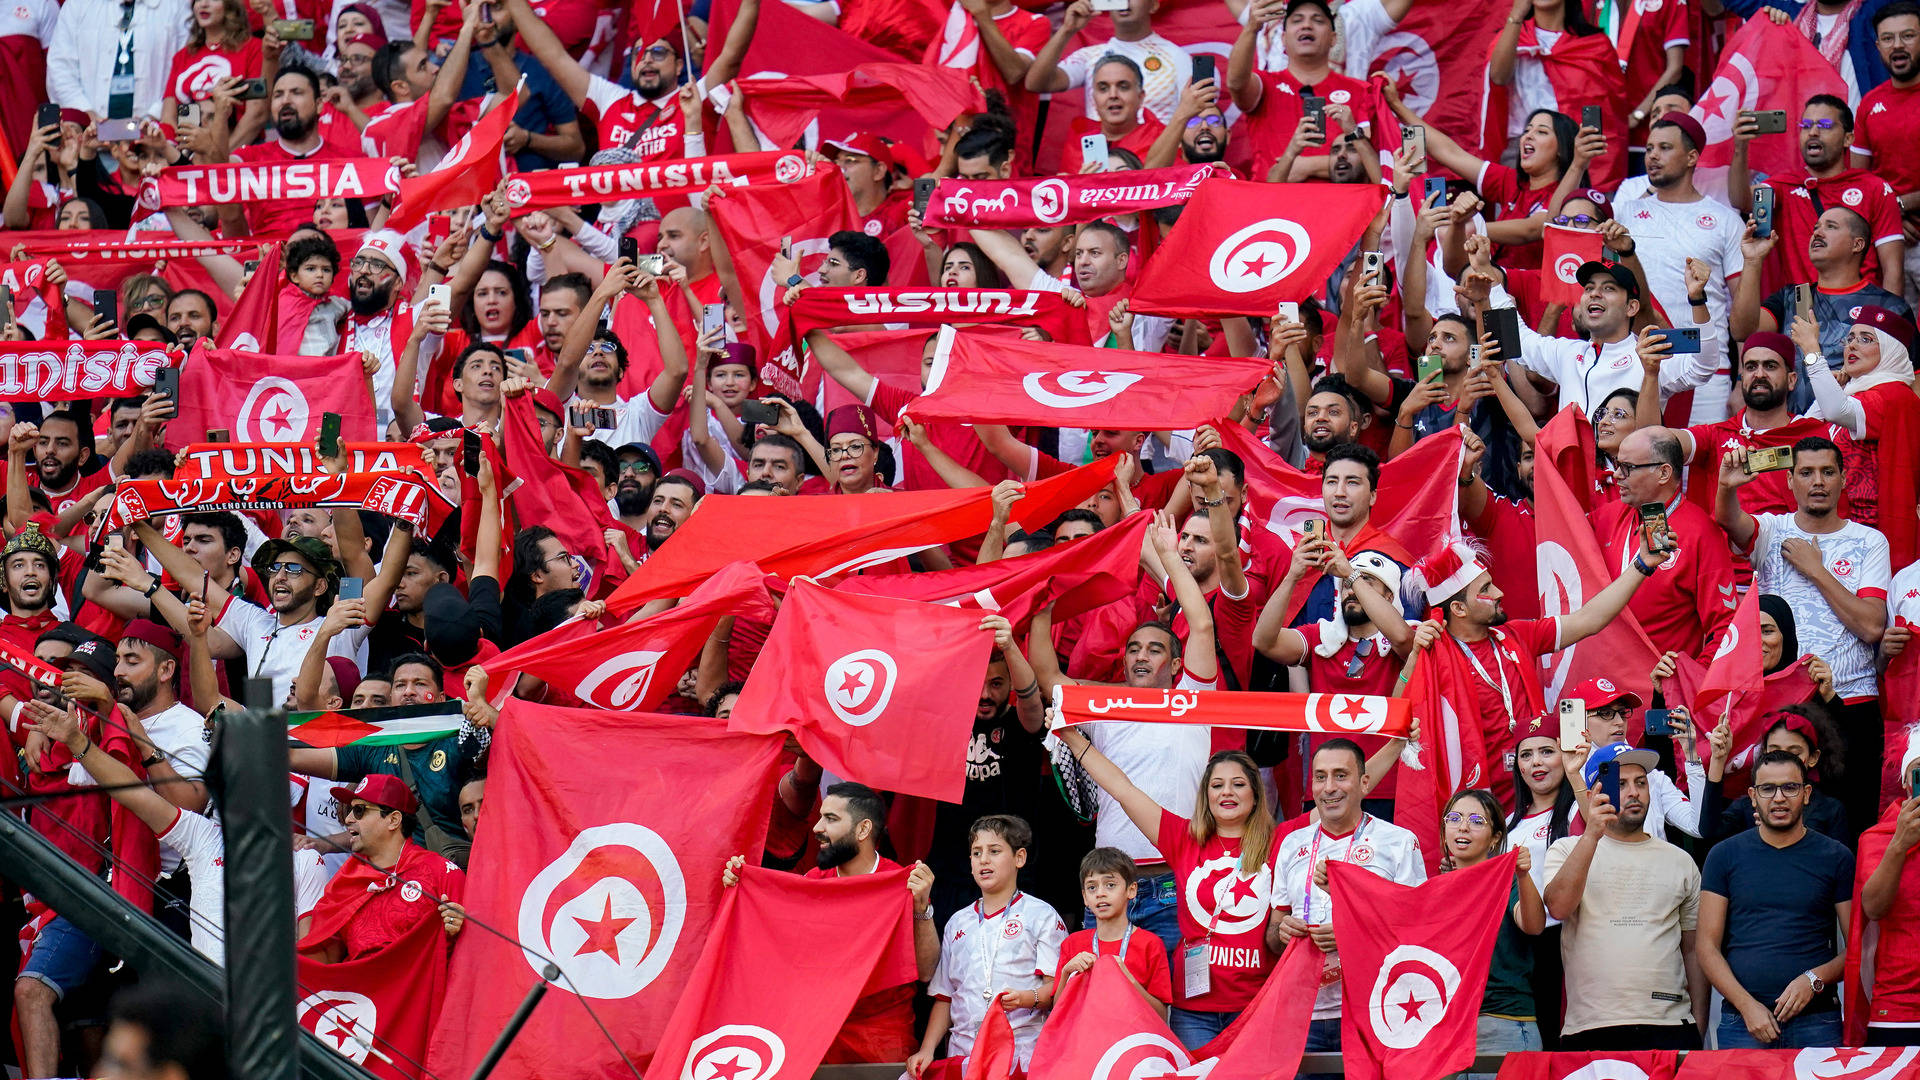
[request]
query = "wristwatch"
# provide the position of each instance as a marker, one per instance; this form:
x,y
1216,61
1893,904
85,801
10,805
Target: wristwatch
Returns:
x,y
157,758
1819,985
794,279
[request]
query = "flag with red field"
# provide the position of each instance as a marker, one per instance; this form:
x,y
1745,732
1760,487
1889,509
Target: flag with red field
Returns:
x,y
1434,59
379,1010
232,389
1820,1063
1766,65
782,108
1563,251
471,169
1597,1065
1102,1029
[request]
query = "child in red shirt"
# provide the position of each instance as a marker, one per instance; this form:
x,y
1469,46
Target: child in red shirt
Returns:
x,y
1108,886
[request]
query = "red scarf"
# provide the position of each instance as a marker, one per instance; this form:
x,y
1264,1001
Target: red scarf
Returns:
x,y
355,884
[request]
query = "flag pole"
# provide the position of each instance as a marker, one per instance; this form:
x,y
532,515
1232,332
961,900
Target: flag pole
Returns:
x,y
515,1022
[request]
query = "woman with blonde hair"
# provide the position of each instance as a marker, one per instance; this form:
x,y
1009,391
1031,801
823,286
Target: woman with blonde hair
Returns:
x,y
220,46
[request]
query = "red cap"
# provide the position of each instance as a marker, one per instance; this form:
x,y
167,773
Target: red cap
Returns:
x,y
347,674
1695,133
1602,692
544,398
1895,326
380,789
865,144
160,637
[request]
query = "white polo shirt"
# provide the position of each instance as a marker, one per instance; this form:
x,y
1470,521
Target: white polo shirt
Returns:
x,y
983,953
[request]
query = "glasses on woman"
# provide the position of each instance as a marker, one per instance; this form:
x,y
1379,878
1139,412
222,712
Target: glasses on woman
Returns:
x,y
1455,817
1582,220
1615,413
850,450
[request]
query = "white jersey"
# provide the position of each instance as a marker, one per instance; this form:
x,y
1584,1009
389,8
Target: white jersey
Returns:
x,y
180,735
983,953
1379,846
1163,760
1665,235
1165,69
199,841
275,649
1857,558
1903,601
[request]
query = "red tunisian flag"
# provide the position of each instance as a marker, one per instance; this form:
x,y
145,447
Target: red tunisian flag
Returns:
x,y
1415,964
610,868
991,379
1073,578
865,683
1266,1040
1451,754
230,388
1598,1065
545,491
1821,1063
636,665
1899,710
1102,1029
1580,71
1434,57
744,1004
1791,685
753,221
824,537
254,321
1573,570
784,107
471,169
28,281
1563,251
1241,248
1765,66
379,1010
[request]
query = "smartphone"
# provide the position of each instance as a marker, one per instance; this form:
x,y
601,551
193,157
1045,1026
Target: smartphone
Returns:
x,y
603,419
1413,140
1762,211
1573,724
1803,300
1504,325
189,113
352,588
1683,339
253,90
1288,311
219,434
523,355
1913,780
1653,520
1590,117
1094,148
1435,186
486,14
1473,355
442,295
1767,121
6,307
1202,68
714,317
118,130
106,305
1607,782
1314,529
1660,722
1430,368
329,443
786,246
764,413
630,250
116,541
1769,459
923,193
1316,110
470,452
292,29
1109,5
48,115
654,264
167,381
1370,263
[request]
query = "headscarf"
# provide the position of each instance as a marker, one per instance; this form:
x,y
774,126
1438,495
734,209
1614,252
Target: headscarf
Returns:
x,y
1783,618
1896,360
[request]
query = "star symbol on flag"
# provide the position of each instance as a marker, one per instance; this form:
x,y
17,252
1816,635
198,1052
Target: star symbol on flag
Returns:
x,y
1714,101
603,934
1351,708
1412,1007
342,1034
1844,1056
1256,266
728,1069
1093,378
1242,889
280,418
853,683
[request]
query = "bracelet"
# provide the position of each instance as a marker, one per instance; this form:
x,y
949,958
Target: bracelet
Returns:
x,y
1029,690
443,271
1466,481
1210,503
85,752
150,762
1398,424
551,240
492,237
152,587
1640,565
1697,301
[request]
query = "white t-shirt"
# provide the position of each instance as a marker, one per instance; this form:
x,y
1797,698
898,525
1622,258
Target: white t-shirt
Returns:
x,y
1163,760
275,650
199,841
1165,69
1903,600
984,953
1857,558
180,733
1378,846
1533,834
1624,938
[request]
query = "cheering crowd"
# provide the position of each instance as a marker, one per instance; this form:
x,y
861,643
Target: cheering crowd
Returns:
x,y
1496,429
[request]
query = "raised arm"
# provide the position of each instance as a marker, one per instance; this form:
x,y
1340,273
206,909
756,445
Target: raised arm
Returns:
x,y
1139,806
1028,702
184,570
1583,623
1199,655
1044,75
1740,526
120,782
545,45
840,365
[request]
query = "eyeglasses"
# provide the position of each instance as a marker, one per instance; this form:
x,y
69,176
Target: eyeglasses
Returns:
x,y
1626,468
1206,121
1612,414
1456,817
291,569
1610,712
636,467
368,262
549,560
1770,791
600,347
656,52
149,302
360,810
1359,661
1582,220
1823,125
850,450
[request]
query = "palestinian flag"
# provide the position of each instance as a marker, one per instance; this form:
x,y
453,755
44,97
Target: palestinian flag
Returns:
x,y
397,725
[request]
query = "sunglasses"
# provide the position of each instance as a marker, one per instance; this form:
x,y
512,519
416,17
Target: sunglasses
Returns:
x,y
360,810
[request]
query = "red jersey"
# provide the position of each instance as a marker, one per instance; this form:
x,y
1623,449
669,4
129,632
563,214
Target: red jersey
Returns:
x,y
196,72
1798,204
1375,669
959,46
1143,953
280,216
880,1027
1767,493
1138,141
1270,124
1224,906
1506,526
1502,695
1887,129
1656,26
1506,188
957,440
1690,598
367,909
83,485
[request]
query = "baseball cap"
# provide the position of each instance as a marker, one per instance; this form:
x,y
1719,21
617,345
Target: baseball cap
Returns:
x,y
1622,753
544,398
144,321
1602,692
380,789
865,144
1321,4
453,627
647,454
387,245
1620,274
96,658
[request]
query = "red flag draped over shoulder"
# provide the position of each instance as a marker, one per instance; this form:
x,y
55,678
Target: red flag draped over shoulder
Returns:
x,y
1582,71
780,1019
611,868
261,397
1452,753
1415,962
545,491
865,683
379,1010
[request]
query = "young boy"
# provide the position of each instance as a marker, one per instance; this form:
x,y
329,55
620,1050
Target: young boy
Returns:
x,y
998,953
1107,883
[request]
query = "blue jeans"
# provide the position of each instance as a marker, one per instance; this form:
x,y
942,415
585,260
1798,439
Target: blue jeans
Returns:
x,y
1154,908
1807,1029
1197,1029
1497,1035
63,957
1323,1037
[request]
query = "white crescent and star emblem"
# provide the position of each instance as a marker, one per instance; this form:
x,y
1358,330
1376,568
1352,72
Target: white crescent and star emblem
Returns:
x,y
1357,713
1567,267
1243,902
859,685
1607,1069
1411,995
1259,255
633,672
1050,201
1077,389
735,1052
1139,1056
1853,1063
275,411
608,911
342,1019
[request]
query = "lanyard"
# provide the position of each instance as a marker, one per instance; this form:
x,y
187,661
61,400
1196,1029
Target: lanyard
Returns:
x,y
1313,860
1506,692
120,86
992,954
1126,939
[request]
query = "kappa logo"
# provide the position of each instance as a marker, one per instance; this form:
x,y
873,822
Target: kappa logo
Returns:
x,y
1878,107
1140,1055
1217,885
630,675
1077,389
1853,1063
860,684
1050,198
609,911
1607,1069
735,1052
342,1019
274,411
1567,267
1852,196
1411,995
1259,255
